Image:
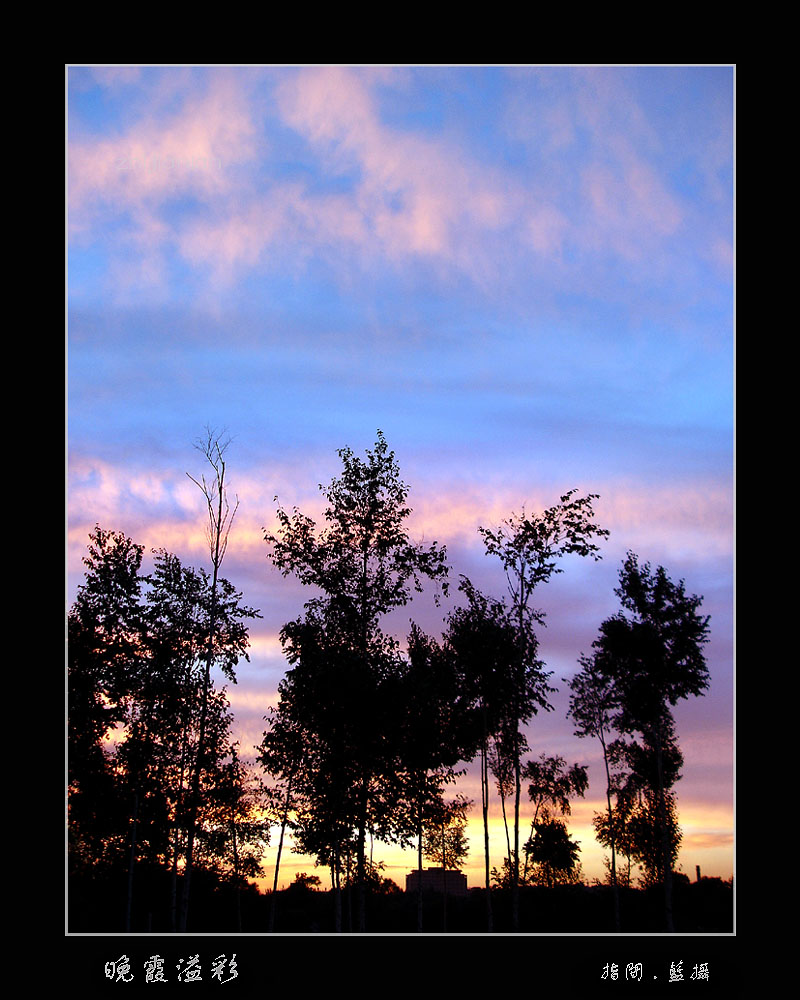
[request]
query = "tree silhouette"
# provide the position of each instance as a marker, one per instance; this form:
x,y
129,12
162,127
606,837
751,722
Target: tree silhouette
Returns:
x,y
364,565
501,765
592,705
303,882
283,753
161,739
340,707
137,650
530,548
179,723
445,842
634,827
234,831
652,652
104,627
552,855
367,734
362,560
639,782
551,786
435,734
483,639
611,827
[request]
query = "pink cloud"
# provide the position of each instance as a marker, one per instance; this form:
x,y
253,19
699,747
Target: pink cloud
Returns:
x,y
690,520
164,509
416,195
412,196
191,151
240,234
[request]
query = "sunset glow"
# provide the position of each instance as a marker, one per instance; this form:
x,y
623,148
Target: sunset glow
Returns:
x,y
522,275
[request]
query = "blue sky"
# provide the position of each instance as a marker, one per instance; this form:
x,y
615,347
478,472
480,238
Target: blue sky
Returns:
x,y
522,275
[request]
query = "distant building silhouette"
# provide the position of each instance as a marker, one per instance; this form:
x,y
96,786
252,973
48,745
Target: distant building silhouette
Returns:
x,y
437,880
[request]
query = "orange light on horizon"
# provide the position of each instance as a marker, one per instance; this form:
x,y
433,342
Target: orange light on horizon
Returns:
x,y
706,844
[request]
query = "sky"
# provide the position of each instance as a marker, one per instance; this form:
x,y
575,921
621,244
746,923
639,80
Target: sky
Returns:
x,y
522,275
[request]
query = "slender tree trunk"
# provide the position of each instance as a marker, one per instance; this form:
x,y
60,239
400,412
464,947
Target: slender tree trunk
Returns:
x,y
614,883
236,870
611,832
132,861
361,911
419,866
485,806
530,838
444,877
523,601
349,897
666,853
142,750
361,916
219,528
505,822
179,806
444,900
201,748
336,888
284,822
515,880
173,887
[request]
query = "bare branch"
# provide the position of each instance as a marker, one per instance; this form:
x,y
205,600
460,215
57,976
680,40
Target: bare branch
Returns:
x,y
220,512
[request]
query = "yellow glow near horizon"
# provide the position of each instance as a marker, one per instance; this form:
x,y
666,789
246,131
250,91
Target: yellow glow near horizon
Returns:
x,y
707,842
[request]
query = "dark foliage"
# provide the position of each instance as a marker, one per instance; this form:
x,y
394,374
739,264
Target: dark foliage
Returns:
x,y
366,737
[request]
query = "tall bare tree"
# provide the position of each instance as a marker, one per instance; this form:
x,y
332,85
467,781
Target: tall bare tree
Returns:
x,y
220,520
